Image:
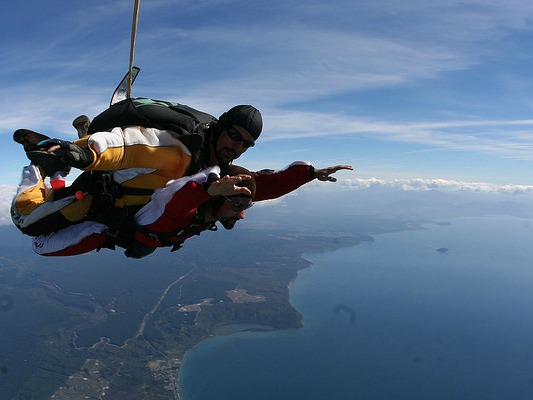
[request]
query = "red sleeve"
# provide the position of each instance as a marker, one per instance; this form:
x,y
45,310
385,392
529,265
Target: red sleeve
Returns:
x,y
181,208
178,212
271,185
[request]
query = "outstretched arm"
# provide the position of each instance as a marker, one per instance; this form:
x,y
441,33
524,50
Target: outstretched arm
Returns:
x,y
271,185
324,174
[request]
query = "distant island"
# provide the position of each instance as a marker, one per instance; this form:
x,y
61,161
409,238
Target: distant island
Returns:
x,y
346,309
442,250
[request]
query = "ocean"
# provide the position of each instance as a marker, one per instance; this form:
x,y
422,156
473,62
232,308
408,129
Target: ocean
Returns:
x,y
438,313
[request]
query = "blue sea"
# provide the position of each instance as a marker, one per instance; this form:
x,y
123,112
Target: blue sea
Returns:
x,y
393,319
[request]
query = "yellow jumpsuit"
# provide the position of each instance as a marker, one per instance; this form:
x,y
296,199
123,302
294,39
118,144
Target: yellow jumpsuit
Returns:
x,y
138,158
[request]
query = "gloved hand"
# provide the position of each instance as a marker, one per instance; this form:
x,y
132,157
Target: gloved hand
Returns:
x,y
138,250
69,153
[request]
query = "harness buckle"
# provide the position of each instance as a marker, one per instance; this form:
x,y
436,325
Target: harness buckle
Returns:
x,y
153,236
112,232
105,188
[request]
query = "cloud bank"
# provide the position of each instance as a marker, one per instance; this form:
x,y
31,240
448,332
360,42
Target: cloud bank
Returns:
x,y
445,185
6,195
411,185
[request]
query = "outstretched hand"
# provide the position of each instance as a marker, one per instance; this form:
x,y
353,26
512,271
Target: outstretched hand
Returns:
x,y
225,186
324,174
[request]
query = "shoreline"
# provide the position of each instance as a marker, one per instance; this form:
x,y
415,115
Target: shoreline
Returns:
x,y
150,358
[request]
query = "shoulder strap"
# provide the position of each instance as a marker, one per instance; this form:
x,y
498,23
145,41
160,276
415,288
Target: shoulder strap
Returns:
x,y
177,236
179,118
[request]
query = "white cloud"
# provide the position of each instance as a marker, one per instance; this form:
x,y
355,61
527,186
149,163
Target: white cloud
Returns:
x,y
357,184
6,195
505,138
435,184
328,49
275,66
274,63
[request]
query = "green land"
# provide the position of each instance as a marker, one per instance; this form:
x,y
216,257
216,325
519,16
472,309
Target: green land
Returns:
x,y
82,327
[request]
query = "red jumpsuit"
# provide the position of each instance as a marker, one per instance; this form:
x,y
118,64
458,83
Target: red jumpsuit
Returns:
x,y
171,212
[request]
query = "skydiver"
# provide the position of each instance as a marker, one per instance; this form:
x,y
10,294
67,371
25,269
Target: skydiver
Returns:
x,y
224,140
169,227
67,207
183,208
142,159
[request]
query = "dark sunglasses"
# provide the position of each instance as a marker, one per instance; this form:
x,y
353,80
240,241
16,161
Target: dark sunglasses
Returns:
x,y
235,135
239,203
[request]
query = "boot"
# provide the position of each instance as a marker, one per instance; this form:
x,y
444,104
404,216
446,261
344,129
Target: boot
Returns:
x,y
49,162
81,124
29,139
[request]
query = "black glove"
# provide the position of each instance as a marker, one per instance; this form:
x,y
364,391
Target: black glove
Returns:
x,y
69,153
138,250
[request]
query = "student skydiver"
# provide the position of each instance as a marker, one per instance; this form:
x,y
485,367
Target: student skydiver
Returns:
x,y
183,208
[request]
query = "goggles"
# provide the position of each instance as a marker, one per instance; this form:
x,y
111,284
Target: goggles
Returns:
x,y
235,135
239,202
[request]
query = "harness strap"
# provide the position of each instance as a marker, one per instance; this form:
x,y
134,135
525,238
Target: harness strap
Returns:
x,y
169,238
109,190
197,226
105,192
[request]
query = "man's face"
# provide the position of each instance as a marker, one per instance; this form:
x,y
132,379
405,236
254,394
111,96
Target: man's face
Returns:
x,y
232,143
232,210
228,217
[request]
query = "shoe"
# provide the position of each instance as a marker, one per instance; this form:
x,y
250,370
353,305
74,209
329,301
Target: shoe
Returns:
x,y
81,124
29,139
49,162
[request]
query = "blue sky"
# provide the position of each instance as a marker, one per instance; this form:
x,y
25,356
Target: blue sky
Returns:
x,y
400,89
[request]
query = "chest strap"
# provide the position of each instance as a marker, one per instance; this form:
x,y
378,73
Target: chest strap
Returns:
x,y
176,237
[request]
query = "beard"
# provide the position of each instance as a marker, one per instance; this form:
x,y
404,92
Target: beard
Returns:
x,y
228,223
225,155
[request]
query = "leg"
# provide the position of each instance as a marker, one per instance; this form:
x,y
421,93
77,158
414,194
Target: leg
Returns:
x,y
34,144
35,211
73,240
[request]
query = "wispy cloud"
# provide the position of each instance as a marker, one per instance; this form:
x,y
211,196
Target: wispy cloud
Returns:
x,y
6,196
287,57
504,138
423,185
306,58
277,67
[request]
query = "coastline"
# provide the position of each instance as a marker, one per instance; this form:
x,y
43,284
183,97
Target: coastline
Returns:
x,y
398,317
203,301
251,329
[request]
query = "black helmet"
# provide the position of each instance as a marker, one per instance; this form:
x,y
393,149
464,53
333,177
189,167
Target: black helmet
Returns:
x,y
245,116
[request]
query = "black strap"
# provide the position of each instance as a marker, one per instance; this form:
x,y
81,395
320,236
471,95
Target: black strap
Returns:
x,y
197,226
130,191
105,187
